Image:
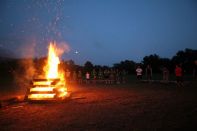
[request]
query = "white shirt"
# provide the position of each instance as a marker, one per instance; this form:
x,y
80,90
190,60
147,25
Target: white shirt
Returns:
x,y
139,71
87,76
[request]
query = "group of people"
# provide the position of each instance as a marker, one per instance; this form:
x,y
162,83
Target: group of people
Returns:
x,y
139,72
178,73
115,76
107,76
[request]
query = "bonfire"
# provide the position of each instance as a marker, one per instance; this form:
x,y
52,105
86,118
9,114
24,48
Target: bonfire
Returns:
x,y
53,85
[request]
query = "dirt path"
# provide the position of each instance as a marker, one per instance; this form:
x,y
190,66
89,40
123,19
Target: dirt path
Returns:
x,y
118,107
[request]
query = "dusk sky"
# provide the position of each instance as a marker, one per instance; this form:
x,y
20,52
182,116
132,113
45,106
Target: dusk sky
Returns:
x,y
101,31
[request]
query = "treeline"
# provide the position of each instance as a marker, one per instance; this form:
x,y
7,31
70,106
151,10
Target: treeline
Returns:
x,y
187,59
29,67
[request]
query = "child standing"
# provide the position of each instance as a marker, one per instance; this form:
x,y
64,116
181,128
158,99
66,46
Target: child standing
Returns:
x,y
139,72
87,77
179,75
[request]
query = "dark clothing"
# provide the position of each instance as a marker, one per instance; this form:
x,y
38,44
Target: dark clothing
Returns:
x,y
139,77
195,71
149,73
179,79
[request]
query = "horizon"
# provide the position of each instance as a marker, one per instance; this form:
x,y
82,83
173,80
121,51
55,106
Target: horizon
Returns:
x,y
66,60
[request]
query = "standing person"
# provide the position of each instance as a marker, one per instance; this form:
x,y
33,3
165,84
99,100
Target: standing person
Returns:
x,y
68,76
79,77
139,72
112,76
149,72
179,75
118,75
74,76
124,76
195,70
100,75
165,74
107,76
94,75
87,77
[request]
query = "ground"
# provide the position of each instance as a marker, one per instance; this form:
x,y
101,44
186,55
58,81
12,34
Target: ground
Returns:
x,y
132,106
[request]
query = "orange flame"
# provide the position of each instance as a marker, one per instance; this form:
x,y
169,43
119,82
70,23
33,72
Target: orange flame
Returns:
x,y
55,82
52,63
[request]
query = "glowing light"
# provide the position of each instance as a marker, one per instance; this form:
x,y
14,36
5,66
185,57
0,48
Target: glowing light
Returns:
x,y
41,96
53,85
40,89
42,83
53,61
76,52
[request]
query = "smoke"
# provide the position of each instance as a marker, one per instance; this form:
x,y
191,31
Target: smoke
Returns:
x,y
25,70
62,47
28,68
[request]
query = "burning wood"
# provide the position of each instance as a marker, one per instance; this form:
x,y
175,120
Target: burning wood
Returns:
x,y
53,86
46,89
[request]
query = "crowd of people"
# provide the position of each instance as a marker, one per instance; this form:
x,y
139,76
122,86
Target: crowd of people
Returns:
x,y
115,76
178,72
107,76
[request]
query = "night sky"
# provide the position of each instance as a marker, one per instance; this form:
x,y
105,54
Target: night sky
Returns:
x,y
101,31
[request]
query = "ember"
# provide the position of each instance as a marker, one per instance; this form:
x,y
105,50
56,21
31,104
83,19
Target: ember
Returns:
x,y
53,86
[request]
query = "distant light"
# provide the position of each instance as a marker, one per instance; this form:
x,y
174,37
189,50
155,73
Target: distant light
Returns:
x,y
76,52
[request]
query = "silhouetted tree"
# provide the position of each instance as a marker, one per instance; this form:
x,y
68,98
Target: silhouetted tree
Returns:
x,y
154,61
186,58
166,62
70,65
88,66
126,65
8,67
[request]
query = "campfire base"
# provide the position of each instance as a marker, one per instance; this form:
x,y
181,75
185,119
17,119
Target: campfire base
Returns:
x,y
47,90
